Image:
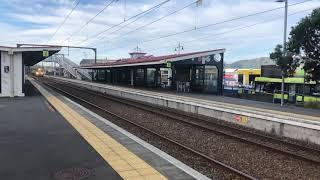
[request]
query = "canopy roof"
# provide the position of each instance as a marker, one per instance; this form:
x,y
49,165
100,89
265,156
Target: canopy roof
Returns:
x,y
31,55
151,60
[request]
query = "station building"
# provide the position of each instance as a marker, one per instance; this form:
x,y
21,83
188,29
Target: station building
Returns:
x,y
13,61
188,72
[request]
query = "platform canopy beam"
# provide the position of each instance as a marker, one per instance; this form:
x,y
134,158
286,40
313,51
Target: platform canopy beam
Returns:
x,y
76,47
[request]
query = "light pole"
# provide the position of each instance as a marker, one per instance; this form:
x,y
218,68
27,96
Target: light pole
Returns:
x,y
284,45
178,48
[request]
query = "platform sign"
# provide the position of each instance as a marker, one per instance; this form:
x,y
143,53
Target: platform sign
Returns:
x,y
168,64
45,53
6,69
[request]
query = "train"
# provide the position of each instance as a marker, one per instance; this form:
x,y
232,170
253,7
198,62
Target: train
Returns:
x,y
39,72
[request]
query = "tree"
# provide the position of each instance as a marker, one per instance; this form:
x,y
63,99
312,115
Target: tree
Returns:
x,y
305,40
287,63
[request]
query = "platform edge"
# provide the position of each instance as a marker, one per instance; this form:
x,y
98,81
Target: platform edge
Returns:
x,y
190,171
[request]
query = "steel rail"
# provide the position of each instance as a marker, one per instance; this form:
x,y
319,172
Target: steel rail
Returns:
x,y
239,172
146,108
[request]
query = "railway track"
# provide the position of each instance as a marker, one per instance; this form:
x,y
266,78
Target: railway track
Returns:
x,y
298,152
295,150
176,143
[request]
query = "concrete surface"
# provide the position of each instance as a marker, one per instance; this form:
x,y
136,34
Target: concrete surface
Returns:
x,y
159,160
38,144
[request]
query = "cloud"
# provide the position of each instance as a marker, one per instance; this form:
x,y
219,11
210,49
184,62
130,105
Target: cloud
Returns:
x,y
35,21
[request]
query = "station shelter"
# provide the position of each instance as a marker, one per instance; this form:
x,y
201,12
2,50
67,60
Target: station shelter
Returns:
x,y
13,61
188,72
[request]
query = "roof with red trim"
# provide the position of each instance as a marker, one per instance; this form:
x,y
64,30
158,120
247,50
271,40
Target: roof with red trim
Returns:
x,y
147,59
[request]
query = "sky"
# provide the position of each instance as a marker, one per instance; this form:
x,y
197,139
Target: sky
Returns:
x,y
116,31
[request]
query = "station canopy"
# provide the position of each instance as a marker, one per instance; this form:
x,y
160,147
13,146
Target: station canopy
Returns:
x,y
152,60
32,55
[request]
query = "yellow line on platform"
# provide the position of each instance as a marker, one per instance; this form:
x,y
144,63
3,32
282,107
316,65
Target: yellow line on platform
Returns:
x,y
125,163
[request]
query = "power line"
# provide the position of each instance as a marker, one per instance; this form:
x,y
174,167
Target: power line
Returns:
x,y
218,23
132,17
90,20
138,18
159,19
238,28
65,19
222,22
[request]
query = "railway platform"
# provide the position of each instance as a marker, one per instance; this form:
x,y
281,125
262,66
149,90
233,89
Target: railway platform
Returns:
x,y
37,143
291,122
47,136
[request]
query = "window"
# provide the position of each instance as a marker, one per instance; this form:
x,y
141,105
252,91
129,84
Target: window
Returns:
x,y
150,75
139,74
101,74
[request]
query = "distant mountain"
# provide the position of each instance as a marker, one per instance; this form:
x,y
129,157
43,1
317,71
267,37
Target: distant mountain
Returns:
x,y
250,63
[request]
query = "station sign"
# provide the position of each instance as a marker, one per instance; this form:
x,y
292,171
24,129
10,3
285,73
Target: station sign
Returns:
x,y
45,53
168,64
6,69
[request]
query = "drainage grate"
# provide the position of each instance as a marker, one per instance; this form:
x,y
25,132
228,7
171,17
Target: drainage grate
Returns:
x,y
73,174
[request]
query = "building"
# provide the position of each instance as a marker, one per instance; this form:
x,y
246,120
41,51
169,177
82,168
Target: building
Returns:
x,y
196,71
296,88
12,63
271,71
247,76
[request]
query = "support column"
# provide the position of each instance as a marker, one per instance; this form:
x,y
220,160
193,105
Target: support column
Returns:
x,y
172,80
157,77
105,75
131,77
54,69
11,71
145,76
134,76
220,75
203,76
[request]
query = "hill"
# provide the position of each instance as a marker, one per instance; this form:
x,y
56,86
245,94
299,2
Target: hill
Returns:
x,y
250,63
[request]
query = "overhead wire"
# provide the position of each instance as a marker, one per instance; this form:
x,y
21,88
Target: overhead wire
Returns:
x,y
65,19
222,22
237,28
126,25
159,19
217,23
89,21
130,18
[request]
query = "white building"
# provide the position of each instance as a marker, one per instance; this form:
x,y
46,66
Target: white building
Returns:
x,y
13,61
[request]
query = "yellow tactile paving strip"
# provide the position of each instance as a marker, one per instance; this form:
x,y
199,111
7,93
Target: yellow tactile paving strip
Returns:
x,y
124,162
